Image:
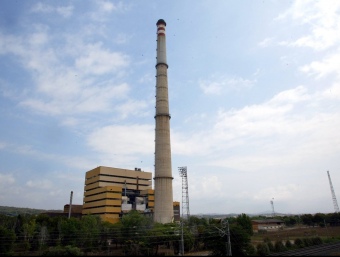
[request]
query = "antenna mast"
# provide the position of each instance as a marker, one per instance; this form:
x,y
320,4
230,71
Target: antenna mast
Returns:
x,y
335,203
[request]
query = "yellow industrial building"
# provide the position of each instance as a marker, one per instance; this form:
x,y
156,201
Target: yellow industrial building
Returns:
x,y
112,192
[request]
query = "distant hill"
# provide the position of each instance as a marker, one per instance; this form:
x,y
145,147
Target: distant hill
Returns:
x,y
15,211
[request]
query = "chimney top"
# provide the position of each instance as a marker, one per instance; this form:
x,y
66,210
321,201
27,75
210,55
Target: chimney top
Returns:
x,y
160,21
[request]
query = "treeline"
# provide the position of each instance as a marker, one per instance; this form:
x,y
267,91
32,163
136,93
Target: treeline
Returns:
x,y
317,219
135,234
15,211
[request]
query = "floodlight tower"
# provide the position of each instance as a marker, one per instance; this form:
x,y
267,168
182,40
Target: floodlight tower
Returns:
x,y
335,202
185,193
272,203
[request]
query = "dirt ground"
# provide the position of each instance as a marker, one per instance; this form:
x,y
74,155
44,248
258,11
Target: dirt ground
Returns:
x,y
297,232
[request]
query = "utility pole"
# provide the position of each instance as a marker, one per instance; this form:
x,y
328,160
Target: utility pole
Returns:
x,y
182,239
225,231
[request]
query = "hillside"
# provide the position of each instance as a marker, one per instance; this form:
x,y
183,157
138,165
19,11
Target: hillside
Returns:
x,y
15,211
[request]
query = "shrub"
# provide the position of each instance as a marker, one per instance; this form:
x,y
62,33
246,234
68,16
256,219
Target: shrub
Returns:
x,y
262,249
298,242
289,244
63,251
307,242
279,246
271,246
316,241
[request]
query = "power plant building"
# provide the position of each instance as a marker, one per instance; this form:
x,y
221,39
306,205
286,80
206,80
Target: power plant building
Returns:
x,y
113,192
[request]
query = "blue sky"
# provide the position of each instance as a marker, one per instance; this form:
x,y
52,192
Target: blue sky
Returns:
x,y
254,95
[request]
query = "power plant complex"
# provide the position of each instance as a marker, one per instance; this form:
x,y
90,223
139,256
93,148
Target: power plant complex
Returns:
x,y
112,192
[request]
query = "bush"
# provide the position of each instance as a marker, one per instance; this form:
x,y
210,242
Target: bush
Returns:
x,y
307,242
316,241
63,251
279,246
288,244
271,247
298,242
262,249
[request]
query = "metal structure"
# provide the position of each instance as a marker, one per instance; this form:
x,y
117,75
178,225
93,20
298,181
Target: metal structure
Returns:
x,y
335,202
272,204
163,210
185,193
69,210
224,230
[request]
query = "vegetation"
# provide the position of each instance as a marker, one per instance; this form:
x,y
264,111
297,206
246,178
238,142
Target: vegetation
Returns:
x,y
136,234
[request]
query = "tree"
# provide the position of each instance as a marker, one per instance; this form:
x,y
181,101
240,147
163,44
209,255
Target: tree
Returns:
x,y
244,221
7,239
70,232
240,240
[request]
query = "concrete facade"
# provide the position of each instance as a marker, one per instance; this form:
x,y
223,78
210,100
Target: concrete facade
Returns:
x,y
111,192
163,210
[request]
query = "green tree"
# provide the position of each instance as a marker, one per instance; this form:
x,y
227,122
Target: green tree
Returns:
x,y
134,227
7,239
318,218
307,219
90,227
244,221
240,240
70,232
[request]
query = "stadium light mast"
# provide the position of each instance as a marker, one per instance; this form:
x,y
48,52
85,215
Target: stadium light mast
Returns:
x,y
272,204
335,202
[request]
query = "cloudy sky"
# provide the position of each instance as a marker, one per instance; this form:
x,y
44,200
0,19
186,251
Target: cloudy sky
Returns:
x,y
254,93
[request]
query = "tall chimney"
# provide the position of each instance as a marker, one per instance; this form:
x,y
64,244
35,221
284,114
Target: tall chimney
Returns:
x,y
163,210
70,207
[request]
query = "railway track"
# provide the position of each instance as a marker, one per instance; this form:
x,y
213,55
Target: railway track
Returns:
x,y
316,250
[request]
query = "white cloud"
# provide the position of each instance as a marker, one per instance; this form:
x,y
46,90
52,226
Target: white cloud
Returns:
x,y
96,60
123,140
109,7
320,69
6,179
65,11
220,84
133,107
40,183
292,127
285,192
69,89
322,17
266,42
